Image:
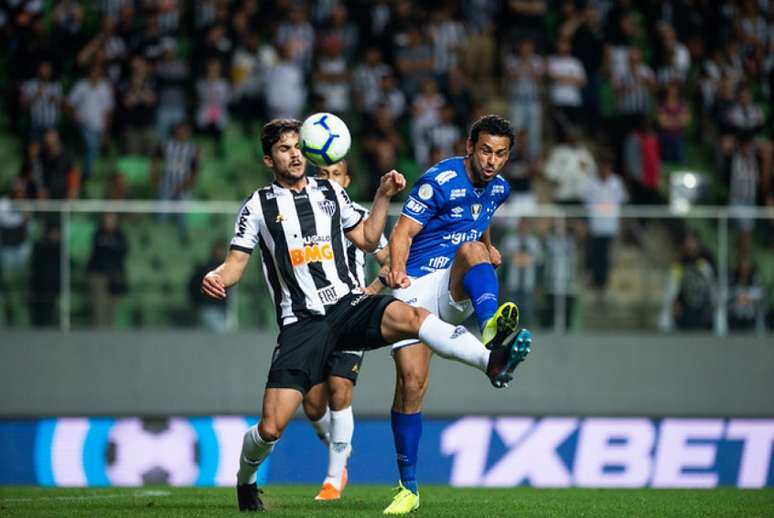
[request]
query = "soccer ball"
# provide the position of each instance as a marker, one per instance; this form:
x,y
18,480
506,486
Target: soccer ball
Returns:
x,y
325,139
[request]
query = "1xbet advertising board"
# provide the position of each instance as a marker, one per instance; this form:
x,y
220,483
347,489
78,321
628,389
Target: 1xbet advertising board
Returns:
x,y
470,451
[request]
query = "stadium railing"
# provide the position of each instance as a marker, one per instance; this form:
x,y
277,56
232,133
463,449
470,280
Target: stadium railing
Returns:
x,y
168,239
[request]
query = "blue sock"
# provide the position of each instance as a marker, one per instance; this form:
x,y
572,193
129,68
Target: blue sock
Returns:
x,y
406,431
480,282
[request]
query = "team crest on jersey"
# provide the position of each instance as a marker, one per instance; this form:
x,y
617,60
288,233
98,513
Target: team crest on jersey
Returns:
x,y
425,192
475,210
328,207
445,176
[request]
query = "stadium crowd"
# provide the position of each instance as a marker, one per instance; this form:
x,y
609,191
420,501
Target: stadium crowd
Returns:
x,y
607,97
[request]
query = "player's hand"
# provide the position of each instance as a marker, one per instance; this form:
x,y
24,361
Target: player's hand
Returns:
x,y
494,257
396,279
213,286
392,183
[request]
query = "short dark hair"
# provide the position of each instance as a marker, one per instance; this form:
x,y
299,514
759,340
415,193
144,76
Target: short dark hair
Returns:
x,y
493,125
272,131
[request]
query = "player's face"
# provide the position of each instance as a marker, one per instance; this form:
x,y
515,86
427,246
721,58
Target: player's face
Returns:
x,y
286,159
487,156
336,172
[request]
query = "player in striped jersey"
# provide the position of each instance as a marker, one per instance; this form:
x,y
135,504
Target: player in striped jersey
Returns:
x,y
328,405
299,225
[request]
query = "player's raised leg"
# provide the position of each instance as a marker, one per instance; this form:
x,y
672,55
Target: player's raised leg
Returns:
x,y
279,406
473,277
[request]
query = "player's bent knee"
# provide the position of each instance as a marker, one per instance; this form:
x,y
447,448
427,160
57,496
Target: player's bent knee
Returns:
x,y
402,321
314,410
473,252
269,431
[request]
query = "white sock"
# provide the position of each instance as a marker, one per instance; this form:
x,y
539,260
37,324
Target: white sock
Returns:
x,y
322,427
254,452
342,428
454,343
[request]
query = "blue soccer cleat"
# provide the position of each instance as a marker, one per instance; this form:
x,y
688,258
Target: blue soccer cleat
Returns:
x,y
504,359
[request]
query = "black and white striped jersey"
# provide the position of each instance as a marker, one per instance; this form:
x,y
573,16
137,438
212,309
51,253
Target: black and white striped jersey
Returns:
x,y
356,258
302,244
180,158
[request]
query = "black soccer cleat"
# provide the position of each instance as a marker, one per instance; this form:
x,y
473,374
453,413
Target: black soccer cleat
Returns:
x,y
504,359
248,496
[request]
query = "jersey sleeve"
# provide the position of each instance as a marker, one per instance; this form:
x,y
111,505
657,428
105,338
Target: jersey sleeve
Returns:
x,y
424,201
247,226
350,217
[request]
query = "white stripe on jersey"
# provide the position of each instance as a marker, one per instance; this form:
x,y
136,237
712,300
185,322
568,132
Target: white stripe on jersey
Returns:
x,y
303,247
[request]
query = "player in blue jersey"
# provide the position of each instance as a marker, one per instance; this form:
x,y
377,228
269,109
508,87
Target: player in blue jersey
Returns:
x,y
442,259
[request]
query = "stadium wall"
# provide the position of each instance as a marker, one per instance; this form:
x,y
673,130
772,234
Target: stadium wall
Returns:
x,y
195,373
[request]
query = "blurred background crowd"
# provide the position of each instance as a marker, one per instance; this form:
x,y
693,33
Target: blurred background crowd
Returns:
x,y
615,102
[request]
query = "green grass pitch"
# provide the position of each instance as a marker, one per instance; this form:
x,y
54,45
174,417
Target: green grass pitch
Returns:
x,y
297,501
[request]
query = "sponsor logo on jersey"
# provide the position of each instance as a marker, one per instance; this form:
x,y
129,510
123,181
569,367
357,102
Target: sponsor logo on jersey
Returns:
x,y
456,212
460,237
242,224
312,253
358,300
438,263
457,193
328,207
414,206
328,295
475,210
425,192
445,176
498,189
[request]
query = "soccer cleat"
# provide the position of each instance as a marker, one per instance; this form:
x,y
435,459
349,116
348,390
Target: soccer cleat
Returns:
x,y
328,492
503,323
248,496
404,502
504,359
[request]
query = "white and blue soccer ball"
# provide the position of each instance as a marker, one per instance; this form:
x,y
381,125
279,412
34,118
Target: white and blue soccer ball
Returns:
x,y
325,139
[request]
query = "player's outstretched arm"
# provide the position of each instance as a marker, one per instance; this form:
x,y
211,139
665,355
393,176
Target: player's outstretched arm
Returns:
x,y
366,235
400,243
226,275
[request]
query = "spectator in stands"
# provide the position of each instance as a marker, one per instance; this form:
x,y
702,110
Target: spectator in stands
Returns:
x,y
690,297
284,87
247,69
604,198
217,46
31,173
633,93
567,78
525,18
332,76
297,36
14,244
381,143
520,170
107,270
414,62
522,260
367,79
392,96
68,29
42,97
137,99
91,101
210,313
343,30
459,95
174,170
571,167
746,297
61,179
642,165
588,45
675,60
744,116
560,256
45,277
444,135
525,71
447,36
674,117
213,95
107,47
425,114
149,41
743,171
172,74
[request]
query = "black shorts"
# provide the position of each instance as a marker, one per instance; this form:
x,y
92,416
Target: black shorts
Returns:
x,y
301,358
345,364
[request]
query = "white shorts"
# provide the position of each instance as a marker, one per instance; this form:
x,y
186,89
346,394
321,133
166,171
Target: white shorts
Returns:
x,y
431,292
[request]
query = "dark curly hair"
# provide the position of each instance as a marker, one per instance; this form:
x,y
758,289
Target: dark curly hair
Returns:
x,y
273,130
493,125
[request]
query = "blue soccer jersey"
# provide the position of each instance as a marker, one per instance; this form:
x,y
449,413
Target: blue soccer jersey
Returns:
x,y
451,211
